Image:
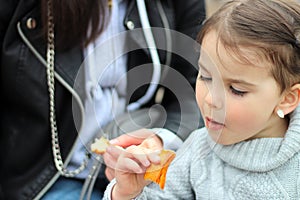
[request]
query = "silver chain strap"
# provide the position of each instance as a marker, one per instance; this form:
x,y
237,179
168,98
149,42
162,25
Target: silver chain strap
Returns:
x,y
50,80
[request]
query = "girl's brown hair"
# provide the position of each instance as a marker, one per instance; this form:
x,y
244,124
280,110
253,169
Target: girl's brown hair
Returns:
x,y
73,18
271,28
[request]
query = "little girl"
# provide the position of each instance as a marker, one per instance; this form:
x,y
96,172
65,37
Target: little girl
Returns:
x,y
248,91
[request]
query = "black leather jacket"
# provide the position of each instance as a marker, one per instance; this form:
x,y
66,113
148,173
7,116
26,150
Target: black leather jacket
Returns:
x,y
27,169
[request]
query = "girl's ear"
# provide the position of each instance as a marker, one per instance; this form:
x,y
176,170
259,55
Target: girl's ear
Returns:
x,y
290,100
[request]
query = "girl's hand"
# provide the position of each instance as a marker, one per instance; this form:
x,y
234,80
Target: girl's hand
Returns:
x,y
130,169
143,137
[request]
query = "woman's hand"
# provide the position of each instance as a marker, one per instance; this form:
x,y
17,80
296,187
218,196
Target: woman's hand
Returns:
x,y
129,172
143,137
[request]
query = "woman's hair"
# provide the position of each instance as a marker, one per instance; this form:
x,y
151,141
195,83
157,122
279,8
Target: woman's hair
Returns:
x,y
76,22
268,28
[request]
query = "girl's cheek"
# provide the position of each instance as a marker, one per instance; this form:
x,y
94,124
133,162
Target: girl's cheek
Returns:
x,y
241,115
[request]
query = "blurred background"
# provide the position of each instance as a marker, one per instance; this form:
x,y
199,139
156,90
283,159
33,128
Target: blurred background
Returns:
x,y
213,5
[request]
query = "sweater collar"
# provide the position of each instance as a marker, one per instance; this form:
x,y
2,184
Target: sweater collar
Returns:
x,y
263,154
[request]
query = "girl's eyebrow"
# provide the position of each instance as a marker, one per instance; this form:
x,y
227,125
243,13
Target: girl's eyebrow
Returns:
x,y
239,81
229,80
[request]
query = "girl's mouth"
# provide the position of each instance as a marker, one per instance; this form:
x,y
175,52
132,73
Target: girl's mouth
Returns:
x,y
213,125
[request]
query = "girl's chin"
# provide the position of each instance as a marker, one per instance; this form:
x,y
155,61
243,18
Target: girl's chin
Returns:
x,y
216,137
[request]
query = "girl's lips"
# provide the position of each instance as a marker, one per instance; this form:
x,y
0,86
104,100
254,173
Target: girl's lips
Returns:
x,y
213,125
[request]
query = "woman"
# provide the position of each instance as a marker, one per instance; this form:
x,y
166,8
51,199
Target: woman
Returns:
x,y
28,168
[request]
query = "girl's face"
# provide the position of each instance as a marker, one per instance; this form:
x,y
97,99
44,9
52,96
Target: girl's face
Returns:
x,y
237,101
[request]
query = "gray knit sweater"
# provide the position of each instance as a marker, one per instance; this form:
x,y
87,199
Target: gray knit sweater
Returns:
x,y
265,169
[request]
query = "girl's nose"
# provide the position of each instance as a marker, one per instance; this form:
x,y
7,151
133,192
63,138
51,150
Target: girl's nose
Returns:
x,y
214,98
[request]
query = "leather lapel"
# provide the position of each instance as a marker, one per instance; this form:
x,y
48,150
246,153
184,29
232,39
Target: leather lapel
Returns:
x,y
67,63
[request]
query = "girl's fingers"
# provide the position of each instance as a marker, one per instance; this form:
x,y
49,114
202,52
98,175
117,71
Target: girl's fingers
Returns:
x,y
132,138
114,151
109,160
154,157
139,155
111,155
154,142
144,155
126,140
127,165
135,159
109,173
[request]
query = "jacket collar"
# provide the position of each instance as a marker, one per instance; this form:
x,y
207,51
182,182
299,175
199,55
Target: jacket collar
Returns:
x,y
67,63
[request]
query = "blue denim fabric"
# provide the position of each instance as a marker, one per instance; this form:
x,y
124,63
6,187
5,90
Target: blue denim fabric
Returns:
x,y
69,189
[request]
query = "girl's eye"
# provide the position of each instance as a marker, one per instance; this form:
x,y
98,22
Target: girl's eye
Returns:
x,y
237,92
204,78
